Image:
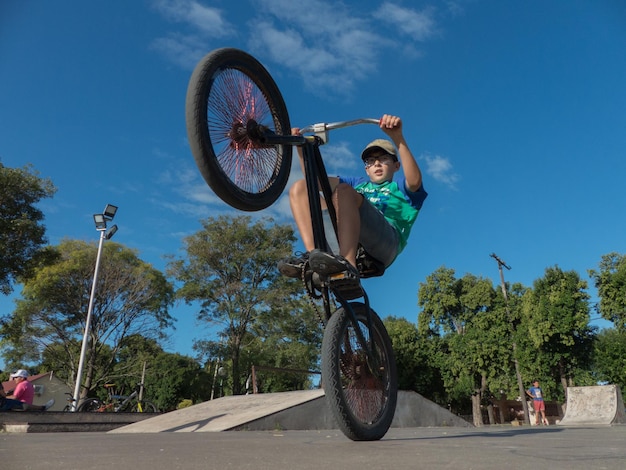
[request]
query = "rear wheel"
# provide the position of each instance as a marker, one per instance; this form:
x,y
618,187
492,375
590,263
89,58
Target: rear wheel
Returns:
x,y
146,407
228,90
361,392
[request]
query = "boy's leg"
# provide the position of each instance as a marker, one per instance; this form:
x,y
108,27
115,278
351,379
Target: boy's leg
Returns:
x,y
347,203
299,202
378,237
537,407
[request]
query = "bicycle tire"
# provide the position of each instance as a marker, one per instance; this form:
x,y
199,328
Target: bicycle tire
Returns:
x,y
227,89
362,403
147,407
90,405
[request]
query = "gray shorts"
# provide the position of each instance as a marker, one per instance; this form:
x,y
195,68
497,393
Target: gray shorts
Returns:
x,y
378,237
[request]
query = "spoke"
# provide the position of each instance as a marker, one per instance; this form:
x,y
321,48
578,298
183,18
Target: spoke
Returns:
x,y
235,100
364,390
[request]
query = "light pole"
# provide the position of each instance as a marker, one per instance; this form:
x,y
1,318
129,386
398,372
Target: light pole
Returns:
x,y
101,226
518,375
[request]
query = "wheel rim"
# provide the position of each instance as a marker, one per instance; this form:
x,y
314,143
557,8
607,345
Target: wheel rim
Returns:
x,y
234,100
364,391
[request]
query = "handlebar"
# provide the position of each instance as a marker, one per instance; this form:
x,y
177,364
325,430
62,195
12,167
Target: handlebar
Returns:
x,y
262,135
321,129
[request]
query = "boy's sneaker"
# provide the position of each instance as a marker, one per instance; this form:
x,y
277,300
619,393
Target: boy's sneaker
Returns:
x,y
48,404
292,266
327,263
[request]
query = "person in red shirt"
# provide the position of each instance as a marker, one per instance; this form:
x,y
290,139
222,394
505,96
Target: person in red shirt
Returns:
x,y
24,390
23,395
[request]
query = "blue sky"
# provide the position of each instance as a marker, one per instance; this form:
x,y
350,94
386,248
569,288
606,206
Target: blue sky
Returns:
x,y
515,111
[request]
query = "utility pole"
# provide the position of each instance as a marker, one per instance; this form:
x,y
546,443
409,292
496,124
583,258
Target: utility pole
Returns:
x,y
520,382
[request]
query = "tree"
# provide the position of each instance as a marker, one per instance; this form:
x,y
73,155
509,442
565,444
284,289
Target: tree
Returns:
x,y
131,297
609,359
286,342
556,317
416,369
610,281
22,235
474,334
230,272
169,378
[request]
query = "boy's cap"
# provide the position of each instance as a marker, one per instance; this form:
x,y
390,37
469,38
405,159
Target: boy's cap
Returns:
x,y
382,144
20,373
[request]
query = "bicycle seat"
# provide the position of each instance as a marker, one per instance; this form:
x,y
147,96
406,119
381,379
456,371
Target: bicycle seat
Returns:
x,y
368,266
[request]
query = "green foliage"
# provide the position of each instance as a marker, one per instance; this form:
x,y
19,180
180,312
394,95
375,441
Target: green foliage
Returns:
x,y
131,297
556,318
172,377
610,357
415,361
470,329
610,281
22,234
168,378
288,337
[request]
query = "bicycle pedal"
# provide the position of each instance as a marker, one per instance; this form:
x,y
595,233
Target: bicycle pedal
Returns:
x,y
346,286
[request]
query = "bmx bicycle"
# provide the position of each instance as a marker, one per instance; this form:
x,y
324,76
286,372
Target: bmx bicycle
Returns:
x,y
240,136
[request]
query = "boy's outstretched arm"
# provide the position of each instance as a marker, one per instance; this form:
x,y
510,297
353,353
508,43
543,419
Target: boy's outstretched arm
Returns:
x,y
392,126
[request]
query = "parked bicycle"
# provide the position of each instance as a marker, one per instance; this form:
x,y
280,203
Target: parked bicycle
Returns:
x,y
240,136
133,403
86,406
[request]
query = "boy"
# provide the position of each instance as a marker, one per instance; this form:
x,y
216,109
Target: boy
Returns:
x,y
539,404
377,212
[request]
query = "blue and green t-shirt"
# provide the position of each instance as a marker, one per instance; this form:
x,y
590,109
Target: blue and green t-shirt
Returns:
x,y
397,204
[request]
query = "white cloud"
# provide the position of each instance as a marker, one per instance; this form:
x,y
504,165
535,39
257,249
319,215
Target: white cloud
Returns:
x,y
440,169
331,46
186,49
419,25
323,63
209,21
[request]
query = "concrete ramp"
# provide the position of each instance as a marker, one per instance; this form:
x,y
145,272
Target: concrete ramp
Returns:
x,y
601,404
223,414
300,410
415,411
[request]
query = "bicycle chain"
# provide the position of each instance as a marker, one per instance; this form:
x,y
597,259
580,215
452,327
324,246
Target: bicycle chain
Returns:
x,y
312,296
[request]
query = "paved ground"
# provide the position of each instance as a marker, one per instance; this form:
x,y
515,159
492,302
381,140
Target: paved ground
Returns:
x,y
499,447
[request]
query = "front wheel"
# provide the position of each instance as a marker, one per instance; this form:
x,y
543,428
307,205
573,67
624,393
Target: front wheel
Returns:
x,y
361,390
228,91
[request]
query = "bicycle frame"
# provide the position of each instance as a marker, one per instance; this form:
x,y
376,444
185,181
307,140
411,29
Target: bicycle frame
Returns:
x,y
316,179
125,400
119,402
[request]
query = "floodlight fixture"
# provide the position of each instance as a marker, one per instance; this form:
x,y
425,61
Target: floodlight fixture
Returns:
x,y
100,221
109,211
109,233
